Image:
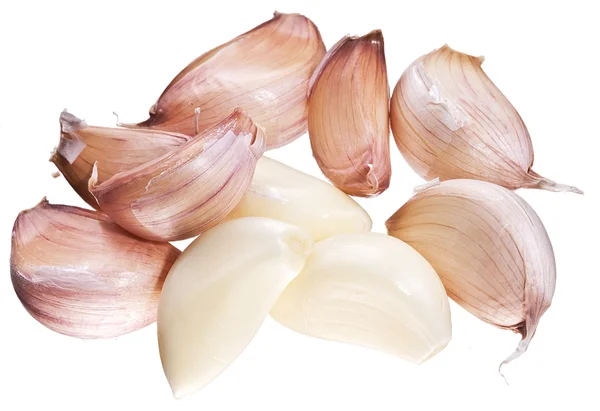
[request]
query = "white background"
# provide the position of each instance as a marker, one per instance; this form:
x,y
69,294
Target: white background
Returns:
x,y
96,58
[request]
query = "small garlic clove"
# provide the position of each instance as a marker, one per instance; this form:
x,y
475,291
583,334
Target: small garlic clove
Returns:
x,y
348,115
450,121
264,71
115,150
372,290
489,247
188,190
81,275
219,292
286,194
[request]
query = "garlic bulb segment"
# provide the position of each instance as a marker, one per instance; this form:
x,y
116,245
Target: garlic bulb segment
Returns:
x,y
219,292
286,194
488,246
81,275
115,150
188,190
372,290
264,71
450,121
348,115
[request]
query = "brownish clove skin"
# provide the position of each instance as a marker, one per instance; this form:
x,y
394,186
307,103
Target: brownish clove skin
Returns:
x,y
81,275
348,116
264,71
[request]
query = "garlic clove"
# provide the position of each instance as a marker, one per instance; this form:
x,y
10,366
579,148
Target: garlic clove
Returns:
x,y
189,190
115,150
286,194
81,275
489,247
219,292
372,290
450,121
264,71
348,115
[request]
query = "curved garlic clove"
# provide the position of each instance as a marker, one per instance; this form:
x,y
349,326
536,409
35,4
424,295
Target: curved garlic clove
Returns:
x,y
81,275
286,194
488,246
348,115
372,290
450,121
219,292
115,150
189,190
264,71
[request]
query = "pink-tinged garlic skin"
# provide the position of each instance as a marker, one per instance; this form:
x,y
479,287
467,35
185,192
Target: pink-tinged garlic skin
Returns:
x,y
348,116
264,71
81,275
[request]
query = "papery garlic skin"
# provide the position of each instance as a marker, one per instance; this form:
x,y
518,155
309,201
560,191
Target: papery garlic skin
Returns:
x,y
219,292
372,290
450,121
489,247
115,150
264,71
188,190
348,115
286,194
81,275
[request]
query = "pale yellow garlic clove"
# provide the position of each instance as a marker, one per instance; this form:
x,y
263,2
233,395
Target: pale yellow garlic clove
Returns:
x,y
489,247
286,194
264,71
115,150
81,275
450,121
348,115
219,292
372,290
188,190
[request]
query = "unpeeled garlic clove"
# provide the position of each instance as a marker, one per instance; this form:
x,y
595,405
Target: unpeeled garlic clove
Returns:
x,y
450,121
115,150
81,275
219,292
372,290
188,190
286,194
489,247
348,115
264,71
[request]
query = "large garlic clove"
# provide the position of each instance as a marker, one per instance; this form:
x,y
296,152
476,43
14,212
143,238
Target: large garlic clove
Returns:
x,y
189,190
81,275
115,150
450,121
219,292
348,115
372,290
488,246
286,194
264,71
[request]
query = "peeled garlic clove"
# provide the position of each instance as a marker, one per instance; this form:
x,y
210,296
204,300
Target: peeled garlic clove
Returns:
x,y
189,190
115,150
450,121
286,194
488,246
81,275
264,71
372,290
348,115
219,292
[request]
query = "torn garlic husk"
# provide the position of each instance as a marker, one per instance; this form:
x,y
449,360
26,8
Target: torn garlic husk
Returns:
x,y
81,275
372,290
218,294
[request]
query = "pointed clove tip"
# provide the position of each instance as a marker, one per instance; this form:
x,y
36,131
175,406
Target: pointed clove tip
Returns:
x,y
70,123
